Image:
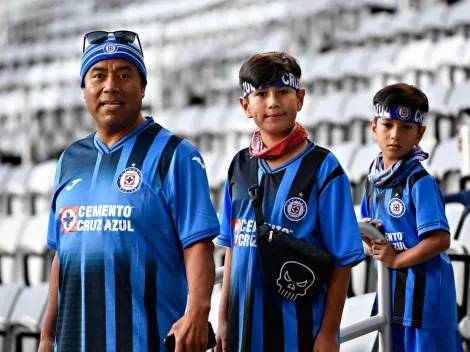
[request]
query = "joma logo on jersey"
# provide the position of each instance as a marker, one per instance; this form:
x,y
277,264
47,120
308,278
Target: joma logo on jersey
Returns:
x,y
96,218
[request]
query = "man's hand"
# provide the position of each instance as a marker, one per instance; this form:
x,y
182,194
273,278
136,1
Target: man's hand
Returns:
x,y
221,337
384,251
326,342
191,332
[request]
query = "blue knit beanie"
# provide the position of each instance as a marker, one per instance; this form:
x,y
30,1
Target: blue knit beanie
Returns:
x,y
108,50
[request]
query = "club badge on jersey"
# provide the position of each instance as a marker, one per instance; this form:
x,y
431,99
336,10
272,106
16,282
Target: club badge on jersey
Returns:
x,y
129,180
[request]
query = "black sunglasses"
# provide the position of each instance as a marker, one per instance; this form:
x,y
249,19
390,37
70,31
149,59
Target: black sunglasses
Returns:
x,y
98,37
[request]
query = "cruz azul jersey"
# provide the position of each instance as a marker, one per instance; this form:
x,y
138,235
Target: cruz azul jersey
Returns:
x,y
120,220
423,296
314,208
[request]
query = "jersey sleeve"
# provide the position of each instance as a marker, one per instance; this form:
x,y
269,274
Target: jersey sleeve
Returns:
x,y
429,205
337,220
225,217
53,229
189,199
364,211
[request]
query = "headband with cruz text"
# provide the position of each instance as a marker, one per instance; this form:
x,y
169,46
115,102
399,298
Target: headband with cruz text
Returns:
x,y
287,80
399,112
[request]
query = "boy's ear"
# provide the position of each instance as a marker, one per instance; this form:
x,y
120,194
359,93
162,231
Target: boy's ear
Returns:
x,y
300,99
245,106
420,135
373,128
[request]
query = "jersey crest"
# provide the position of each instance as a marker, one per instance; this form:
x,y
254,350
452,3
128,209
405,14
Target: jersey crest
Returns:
x,y
396,207
129,180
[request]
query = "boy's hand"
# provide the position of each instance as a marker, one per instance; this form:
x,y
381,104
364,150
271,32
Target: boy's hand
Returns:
x,y
384,251
326,342
367,243
221,337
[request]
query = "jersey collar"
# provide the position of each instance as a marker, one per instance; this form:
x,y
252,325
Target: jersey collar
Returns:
x,y
267,169
103,148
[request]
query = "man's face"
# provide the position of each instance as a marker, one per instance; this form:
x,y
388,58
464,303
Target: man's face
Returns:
x,y
274,109
113,94
396,138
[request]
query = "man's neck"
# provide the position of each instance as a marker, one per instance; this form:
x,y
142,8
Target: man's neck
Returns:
x,y
109,138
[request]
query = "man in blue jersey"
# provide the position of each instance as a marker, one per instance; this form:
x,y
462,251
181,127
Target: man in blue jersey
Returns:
x,y
315,207
131,221
405,201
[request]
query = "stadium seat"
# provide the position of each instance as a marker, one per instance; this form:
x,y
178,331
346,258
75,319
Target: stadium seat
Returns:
x,y
362,160
344,152
464,234
27,315
8,296
402,25
325,66
357,309
189,122
4,171
457,16
358,112
455,213
11,230
15,188
458,99
32,248
328,114
40,184
446,158
433,18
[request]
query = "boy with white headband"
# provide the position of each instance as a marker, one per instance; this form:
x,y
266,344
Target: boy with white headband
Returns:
x,y
305,195
403,200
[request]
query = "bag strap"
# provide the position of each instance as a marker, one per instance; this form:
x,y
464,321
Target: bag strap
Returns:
x,y
255,193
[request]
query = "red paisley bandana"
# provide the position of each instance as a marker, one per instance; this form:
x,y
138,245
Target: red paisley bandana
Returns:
x,y
294,139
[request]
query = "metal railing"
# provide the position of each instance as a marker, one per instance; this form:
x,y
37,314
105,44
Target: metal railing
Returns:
x,y
380,322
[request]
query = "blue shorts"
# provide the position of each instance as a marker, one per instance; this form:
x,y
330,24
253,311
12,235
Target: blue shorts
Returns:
x,y
425,340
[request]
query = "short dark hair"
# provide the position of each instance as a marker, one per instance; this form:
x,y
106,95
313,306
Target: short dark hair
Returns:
x,y
402,94
268,67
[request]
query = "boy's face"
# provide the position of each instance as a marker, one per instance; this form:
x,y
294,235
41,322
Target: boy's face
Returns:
x,y
396,138
274,109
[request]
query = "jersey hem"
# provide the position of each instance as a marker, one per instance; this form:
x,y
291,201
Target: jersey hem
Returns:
x,y
200,236
223,242
418,324
353,258
52,245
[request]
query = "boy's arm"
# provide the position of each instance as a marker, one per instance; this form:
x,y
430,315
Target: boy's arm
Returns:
x,y
436,242
335,298
224,295
49,328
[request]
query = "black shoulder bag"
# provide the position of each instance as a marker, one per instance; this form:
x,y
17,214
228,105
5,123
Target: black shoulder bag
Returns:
x,y
294,269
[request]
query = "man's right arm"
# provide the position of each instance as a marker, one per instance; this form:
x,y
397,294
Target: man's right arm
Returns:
x,y
49,328
224,302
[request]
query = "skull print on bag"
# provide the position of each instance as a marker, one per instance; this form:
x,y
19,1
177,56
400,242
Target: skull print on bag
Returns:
x,y
294,280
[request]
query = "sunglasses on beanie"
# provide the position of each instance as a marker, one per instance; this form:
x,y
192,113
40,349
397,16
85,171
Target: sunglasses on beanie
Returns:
x,y
122,36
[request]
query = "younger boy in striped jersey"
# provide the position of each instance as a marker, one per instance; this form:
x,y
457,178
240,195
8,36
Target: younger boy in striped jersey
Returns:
x,y
314,207
405,201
